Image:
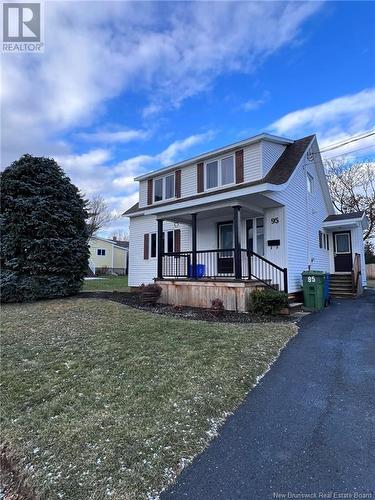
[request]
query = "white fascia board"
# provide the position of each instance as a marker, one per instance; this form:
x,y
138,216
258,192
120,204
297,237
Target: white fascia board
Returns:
x,y
215,152
191,204
204,200
332,224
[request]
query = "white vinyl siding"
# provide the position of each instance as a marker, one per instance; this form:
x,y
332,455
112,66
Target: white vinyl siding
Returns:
x,y
189,181
144,270
143,193
252,162
271,152
305,214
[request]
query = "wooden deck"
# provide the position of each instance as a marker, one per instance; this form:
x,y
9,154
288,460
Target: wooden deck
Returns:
x,y
199,293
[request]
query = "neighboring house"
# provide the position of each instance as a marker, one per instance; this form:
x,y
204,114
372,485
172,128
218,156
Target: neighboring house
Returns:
x,y
108,256
257,212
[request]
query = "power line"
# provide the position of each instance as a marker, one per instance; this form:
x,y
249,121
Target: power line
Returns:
x,y
348,152
351,139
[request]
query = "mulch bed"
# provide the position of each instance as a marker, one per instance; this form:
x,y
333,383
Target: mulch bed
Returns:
x,y
132,299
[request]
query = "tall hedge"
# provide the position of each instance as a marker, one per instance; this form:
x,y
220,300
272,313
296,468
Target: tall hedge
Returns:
x,y
44,248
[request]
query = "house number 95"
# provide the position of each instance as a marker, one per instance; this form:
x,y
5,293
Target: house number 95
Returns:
x,y
274,220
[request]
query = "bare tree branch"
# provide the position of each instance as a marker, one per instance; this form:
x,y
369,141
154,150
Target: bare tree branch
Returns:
x,y
99,214
352,187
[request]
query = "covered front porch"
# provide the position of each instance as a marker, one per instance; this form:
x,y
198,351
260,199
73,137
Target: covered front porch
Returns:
x,y
225,253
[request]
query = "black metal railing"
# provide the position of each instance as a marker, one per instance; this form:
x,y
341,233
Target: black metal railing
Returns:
x,y
229,263
255,266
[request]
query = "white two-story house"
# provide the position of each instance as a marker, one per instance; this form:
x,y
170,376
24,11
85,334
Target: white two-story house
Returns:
x,y
254,213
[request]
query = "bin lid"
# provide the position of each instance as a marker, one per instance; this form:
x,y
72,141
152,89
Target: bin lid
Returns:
x,y
313,273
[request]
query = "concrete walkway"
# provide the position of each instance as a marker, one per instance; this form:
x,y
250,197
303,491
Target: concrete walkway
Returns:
x,y
308,427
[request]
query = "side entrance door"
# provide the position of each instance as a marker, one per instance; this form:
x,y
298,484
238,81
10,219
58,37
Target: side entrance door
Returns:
x,y
342,251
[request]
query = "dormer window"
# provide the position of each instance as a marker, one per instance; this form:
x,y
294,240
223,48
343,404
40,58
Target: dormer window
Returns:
x,y
220,172
164,188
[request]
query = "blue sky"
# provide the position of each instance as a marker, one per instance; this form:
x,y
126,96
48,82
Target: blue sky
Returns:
x,y
123,87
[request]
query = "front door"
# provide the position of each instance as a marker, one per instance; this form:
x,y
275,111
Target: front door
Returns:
x,y
225,240
343,251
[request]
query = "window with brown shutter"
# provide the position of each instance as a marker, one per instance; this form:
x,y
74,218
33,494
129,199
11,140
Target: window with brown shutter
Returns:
x,y
239,166
177,178
177,240
146,245
150,186
200,177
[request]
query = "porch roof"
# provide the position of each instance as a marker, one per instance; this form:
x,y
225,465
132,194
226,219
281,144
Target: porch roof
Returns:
x,y
252,205
351,219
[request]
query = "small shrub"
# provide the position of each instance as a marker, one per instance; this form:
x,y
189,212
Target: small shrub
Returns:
x,y
217,307
150,293
265,302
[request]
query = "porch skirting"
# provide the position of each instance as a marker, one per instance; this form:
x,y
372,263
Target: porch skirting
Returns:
x,y
199,293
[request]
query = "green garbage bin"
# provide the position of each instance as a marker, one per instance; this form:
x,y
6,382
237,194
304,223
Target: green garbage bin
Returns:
x,y
313,289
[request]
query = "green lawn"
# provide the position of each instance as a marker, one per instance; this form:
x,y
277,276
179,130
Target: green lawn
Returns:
x,y
100,400
108,283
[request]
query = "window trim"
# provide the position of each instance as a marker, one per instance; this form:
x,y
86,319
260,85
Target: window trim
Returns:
x,y
164,188
219,172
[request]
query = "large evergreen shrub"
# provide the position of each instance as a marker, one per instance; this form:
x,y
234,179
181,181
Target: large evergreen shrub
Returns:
x,y
44,248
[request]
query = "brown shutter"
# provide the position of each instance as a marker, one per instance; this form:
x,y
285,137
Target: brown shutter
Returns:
x,y
146,239
177,180
149,192
177,240
200,177
239,166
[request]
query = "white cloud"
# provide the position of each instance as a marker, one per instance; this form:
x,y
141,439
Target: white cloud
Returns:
x,y
334,121
119,136
170,154
96,51
253,104
95,173
166,157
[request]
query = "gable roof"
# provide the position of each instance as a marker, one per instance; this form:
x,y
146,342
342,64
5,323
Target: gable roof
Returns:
x,y
280,173
288,161
351,215
124,245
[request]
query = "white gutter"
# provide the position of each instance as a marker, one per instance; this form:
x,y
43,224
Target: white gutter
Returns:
x,y
230,147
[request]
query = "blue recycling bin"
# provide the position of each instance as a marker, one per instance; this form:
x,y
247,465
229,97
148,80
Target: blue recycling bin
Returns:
x,y
200,270
326,294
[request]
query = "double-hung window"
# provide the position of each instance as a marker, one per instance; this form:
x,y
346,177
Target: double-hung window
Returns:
x,y
220,172
168,240
255,235
101,251
164,188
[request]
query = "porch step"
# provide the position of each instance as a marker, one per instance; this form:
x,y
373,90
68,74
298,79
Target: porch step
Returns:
x,y
293,307
341,286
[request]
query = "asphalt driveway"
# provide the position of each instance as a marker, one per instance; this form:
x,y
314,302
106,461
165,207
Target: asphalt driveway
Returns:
x,y
308,428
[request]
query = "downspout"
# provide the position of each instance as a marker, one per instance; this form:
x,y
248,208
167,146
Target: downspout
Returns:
x,y
307,220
